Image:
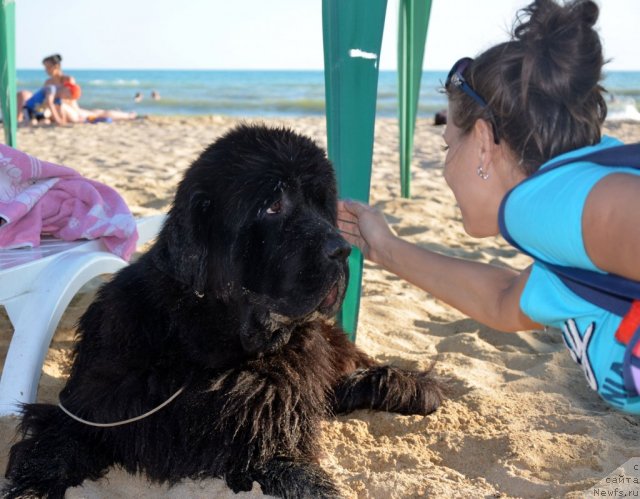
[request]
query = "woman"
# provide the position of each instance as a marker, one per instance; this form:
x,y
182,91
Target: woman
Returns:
x,y
517,106
59,99
48,99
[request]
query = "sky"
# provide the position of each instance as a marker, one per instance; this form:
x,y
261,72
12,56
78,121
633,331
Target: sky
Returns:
x,y
267,34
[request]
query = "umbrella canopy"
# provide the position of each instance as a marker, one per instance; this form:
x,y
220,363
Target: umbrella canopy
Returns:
x,y
352,36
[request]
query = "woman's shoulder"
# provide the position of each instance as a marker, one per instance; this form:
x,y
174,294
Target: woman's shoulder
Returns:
x,y
606,142
56,80
577,174
544,214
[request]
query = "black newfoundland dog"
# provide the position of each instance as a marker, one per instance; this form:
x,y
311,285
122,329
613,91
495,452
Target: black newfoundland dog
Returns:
x,y
224,327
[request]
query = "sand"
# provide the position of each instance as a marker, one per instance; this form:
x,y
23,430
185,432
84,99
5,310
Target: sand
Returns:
x,y
519,421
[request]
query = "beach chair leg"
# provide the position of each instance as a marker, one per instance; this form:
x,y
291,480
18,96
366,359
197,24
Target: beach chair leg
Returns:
x,y
352,35
8,102
413,22
35,317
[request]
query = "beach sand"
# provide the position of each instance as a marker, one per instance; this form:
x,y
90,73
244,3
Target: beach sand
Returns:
x,y
520,420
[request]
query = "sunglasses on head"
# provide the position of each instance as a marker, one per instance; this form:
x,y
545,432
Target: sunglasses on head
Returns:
x,y
456,79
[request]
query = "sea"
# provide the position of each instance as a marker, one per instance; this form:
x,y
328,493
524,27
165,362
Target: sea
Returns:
x,y
275,93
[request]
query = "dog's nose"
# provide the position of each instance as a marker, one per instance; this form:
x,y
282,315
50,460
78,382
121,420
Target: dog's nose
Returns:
x,y
336,248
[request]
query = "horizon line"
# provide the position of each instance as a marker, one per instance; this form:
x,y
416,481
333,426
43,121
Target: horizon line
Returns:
x,y
201,69
394,70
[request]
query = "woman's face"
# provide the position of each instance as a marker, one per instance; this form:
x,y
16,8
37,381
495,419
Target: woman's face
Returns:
x,y
477,198
51,68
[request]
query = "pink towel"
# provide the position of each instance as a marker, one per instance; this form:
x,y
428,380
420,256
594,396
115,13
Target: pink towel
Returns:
x,y
37,197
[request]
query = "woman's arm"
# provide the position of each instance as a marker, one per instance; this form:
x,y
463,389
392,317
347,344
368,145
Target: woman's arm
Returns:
x,y
488,294
611,225
56,114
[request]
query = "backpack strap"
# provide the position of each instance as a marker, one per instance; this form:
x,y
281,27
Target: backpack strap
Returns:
x,y
631,366
608,291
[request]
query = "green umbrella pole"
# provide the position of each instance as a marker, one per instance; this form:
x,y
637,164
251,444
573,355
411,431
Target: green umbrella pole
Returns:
x,y
8,103
352,35
413,22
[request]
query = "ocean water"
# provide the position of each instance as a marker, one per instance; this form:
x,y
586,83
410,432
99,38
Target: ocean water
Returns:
x,y
266,93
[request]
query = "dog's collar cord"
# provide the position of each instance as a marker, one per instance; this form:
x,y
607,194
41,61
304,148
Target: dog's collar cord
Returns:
x,y
120,423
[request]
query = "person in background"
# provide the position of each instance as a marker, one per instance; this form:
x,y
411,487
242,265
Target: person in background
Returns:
x,y
512,110
73,113
46,101
138,97
155,95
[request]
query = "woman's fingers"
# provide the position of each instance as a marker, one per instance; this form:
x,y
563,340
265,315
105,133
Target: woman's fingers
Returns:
x,y
351,208
349,221
349,230
351,239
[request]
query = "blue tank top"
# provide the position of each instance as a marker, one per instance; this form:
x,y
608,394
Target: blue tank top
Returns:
x,y
545,217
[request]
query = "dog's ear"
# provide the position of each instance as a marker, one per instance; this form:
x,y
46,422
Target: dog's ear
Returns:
x,y
211,260
201,230
182,249
200,212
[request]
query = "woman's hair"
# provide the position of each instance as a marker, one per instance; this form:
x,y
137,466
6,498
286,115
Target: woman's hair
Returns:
x,y
543,86
52,59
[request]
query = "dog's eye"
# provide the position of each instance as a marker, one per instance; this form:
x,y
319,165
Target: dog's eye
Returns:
x,y
275,208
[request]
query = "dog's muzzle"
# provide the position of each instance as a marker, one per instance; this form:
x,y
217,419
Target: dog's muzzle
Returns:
x,y
333,299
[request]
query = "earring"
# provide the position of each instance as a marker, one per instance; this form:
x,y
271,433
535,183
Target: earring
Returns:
x,y
481,173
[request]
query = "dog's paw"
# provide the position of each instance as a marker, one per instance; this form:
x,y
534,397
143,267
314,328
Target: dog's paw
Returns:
x,y
239,482
297,480
391,389
11,491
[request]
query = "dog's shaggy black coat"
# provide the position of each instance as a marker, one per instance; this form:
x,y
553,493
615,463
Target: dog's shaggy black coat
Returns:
x,y
233,302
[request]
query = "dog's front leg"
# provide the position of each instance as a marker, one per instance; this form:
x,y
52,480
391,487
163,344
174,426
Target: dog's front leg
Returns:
x,y
54,455
387,388
296,480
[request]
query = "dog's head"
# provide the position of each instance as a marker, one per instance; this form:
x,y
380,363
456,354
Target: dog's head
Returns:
x,y
254,223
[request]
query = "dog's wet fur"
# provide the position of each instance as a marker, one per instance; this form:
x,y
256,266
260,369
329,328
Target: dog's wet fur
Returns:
x,y
234,303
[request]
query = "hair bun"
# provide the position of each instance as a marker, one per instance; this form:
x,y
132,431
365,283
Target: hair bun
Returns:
x,y
545,21
589,12
561,51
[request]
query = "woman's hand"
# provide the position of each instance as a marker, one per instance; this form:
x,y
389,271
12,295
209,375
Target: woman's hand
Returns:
x,y
489,294
364,227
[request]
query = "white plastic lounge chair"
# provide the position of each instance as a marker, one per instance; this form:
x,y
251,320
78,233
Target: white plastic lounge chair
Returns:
x,y
36,285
